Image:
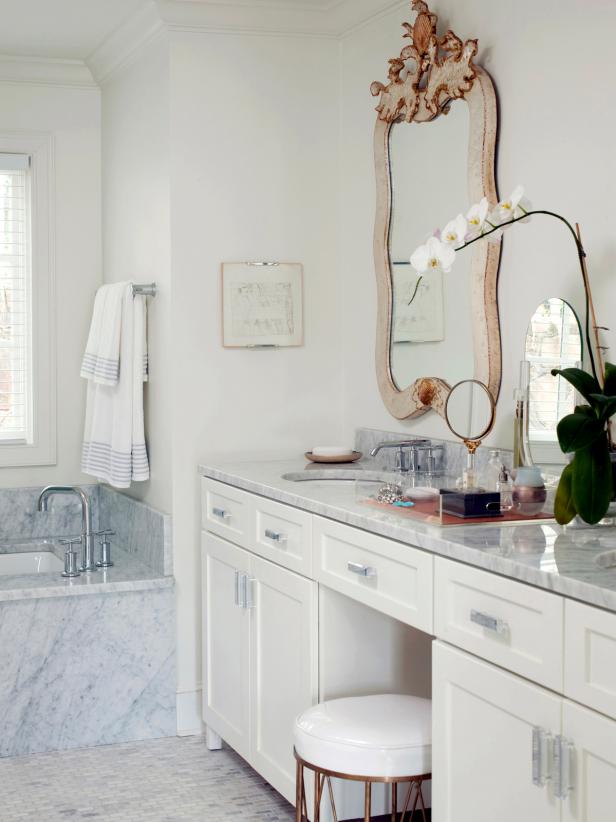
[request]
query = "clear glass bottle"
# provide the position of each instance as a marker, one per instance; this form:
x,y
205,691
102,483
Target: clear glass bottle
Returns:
x,y
505,488
521,442
492,471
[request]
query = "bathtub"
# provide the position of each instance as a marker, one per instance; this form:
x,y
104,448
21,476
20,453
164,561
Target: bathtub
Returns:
x,y
30,562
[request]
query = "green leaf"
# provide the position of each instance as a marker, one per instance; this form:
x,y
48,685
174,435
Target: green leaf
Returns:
x,y
606,405
583,382
587,410
592,481
609,385
577,431
564,507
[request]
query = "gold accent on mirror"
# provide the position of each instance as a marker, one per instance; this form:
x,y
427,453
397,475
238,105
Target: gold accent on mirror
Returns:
x,y
447,61
431,74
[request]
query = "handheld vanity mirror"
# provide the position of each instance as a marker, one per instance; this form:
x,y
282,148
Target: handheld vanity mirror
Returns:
x,y
470,413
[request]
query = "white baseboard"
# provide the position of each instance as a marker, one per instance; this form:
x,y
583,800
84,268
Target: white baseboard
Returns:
x,y
188,704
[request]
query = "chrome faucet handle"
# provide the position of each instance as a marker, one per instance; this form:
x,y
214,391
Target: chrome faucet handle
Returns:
x,y
70,557
105,543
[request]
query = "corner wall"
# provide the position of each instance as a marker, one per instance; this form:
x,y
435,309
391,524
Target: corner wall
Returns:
x,y
254,123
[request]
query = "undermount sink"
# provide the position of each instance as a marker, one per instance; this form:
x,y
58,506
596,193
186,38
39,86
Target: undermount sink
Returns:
x,y
339,475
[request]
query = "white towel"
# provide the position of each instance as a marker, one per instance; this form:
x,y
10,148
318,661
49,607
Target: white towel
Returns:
x,y
114,448
101,361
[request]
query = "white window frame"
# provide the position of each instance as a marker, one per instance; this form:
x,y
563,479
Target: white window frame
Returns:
x,y
41,450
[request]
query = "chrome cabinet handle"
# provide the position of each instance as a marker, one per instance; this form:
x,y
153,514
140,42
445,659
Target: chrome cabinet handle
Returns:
x,y
249,601
275,536
237,588
541,750
221,513
499,626
563,753
361,570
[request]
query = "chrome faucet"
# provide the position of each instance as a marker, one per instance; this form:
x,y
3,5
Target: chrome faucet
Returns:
x,y
406,456
87,536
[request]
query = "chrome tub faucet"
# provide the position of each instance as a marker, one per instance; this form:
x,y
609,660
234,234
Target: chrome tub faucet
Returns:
x,y
87,535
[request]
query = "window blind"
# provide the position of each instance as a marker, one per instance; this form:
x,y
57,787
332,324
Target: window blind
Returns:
x,y
15,299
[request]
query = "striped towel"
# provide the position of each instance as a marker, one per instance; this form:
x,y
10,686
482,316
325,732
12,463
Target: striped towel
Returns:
x,y
114,448
101,361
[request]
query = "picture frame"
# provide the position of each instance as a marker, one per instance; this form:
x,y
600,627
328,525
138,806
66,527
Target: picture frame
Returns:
x,y
262,304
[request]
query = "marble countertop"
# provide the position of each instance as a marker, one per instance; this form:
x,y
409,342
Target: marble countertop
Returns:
x,y
559,559
127,574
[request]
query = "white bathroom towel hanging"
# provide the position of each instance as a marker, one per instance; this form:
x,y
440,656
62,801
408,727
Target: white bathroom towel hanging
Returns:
x,y
101,360
114,447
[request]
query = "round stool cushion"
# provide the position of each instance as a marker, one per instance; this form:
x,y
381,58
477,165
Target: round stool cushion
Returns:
x,y
386,735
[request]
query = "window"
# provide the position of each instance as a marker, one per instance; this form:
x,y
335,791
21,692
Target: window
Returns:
x,y
553,340
15,304
27,350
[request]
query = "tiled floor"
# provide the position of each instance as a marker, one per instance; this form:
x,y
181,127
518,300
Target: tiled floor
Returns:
x,y
165,780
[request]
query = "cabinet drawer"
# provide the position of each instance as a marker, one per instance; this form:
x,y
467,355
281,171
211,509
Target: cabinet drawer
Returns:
x,y
225,511
386,575
590,656
282,534
509,623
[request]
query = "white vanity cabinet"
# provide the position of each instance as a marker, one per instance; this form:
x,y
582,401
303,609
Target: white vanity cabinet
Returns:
x,y
505,747
259,655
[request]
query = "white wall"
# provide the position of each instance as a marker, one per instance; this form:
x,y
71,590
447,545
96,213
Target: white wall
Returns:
x,y
556,137
136,239
72,116
254,127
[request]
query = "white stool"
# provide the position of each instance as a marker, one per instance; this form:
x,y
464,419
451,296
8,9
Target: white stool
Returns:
x,y
382,738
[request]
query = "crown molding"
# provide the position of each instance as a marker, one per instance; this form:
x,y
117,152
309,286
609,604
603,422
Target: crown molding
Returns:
x,y
45,71
334,20
125,43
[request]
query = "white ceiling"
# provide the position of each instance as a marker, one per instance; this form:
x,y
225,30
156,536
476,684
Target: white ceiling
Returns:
x,y
76,29
69,29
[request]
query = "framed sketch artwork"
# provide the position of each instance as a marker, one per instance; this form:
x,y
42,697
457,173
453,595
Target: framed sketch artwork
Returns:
x,y
262,304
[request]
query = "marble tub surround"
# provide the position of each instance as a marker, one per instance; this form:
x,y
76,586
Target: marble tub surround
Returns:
x,y
21,519
549,556
142,531
128,574
86,671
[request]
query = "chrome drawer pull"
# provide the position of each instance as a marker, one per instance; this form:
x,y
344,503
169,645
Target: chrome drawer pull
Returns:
x,y
563,767
221,513
541,756
275,536
362,570
499,626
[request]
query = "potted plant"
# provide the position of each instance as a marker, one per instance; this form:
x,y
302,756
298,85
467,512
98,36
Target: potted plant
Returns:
x,y
588,481
586,485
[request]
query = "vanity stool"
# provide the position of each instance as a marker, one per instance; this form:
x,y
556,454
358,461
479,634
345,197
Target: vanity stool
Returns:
x,y
381,738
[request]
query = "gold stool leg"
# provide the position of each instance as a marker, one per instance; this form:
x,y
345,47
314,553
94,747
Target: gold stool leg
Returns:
x,y
331,798
367,802
394,801
299,789
319,782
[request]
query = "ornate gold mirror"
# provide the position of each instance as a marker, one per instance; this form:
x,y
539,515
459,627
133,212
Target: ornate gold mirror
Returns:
x,y
434,149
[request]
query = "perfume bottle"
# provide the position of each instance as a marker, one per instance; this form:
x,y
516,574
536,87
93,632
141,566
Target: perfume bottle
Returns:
x,y
521,443
505,488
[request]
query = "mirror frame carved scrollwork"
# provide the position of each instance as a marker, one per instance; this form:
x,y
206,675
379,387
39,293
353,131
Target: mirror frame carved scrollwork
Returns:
x,y
443,72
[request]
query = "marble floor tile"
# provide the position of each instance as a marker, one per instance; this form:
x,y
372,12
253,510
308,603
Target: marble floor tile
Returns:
x,y
163,780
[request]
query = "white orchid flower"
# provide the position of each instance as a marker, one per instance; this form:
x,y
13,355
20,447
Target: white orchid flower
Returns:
x,y
477,216
433,256
454,232
510,208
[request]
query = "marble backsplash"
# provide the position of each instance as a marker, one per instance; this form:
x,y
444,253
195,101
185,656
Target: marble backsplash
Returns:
x,y
141,530
454,455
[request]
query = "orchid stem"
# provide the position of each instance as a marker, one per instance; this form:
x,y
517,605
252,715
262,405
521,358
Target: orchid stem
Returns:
x,y
581,256
414,294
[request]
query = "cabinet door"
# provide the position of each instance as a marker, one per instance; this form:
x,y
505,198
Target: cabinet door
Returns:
x,y
593,765
226,631
482,747
283,667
